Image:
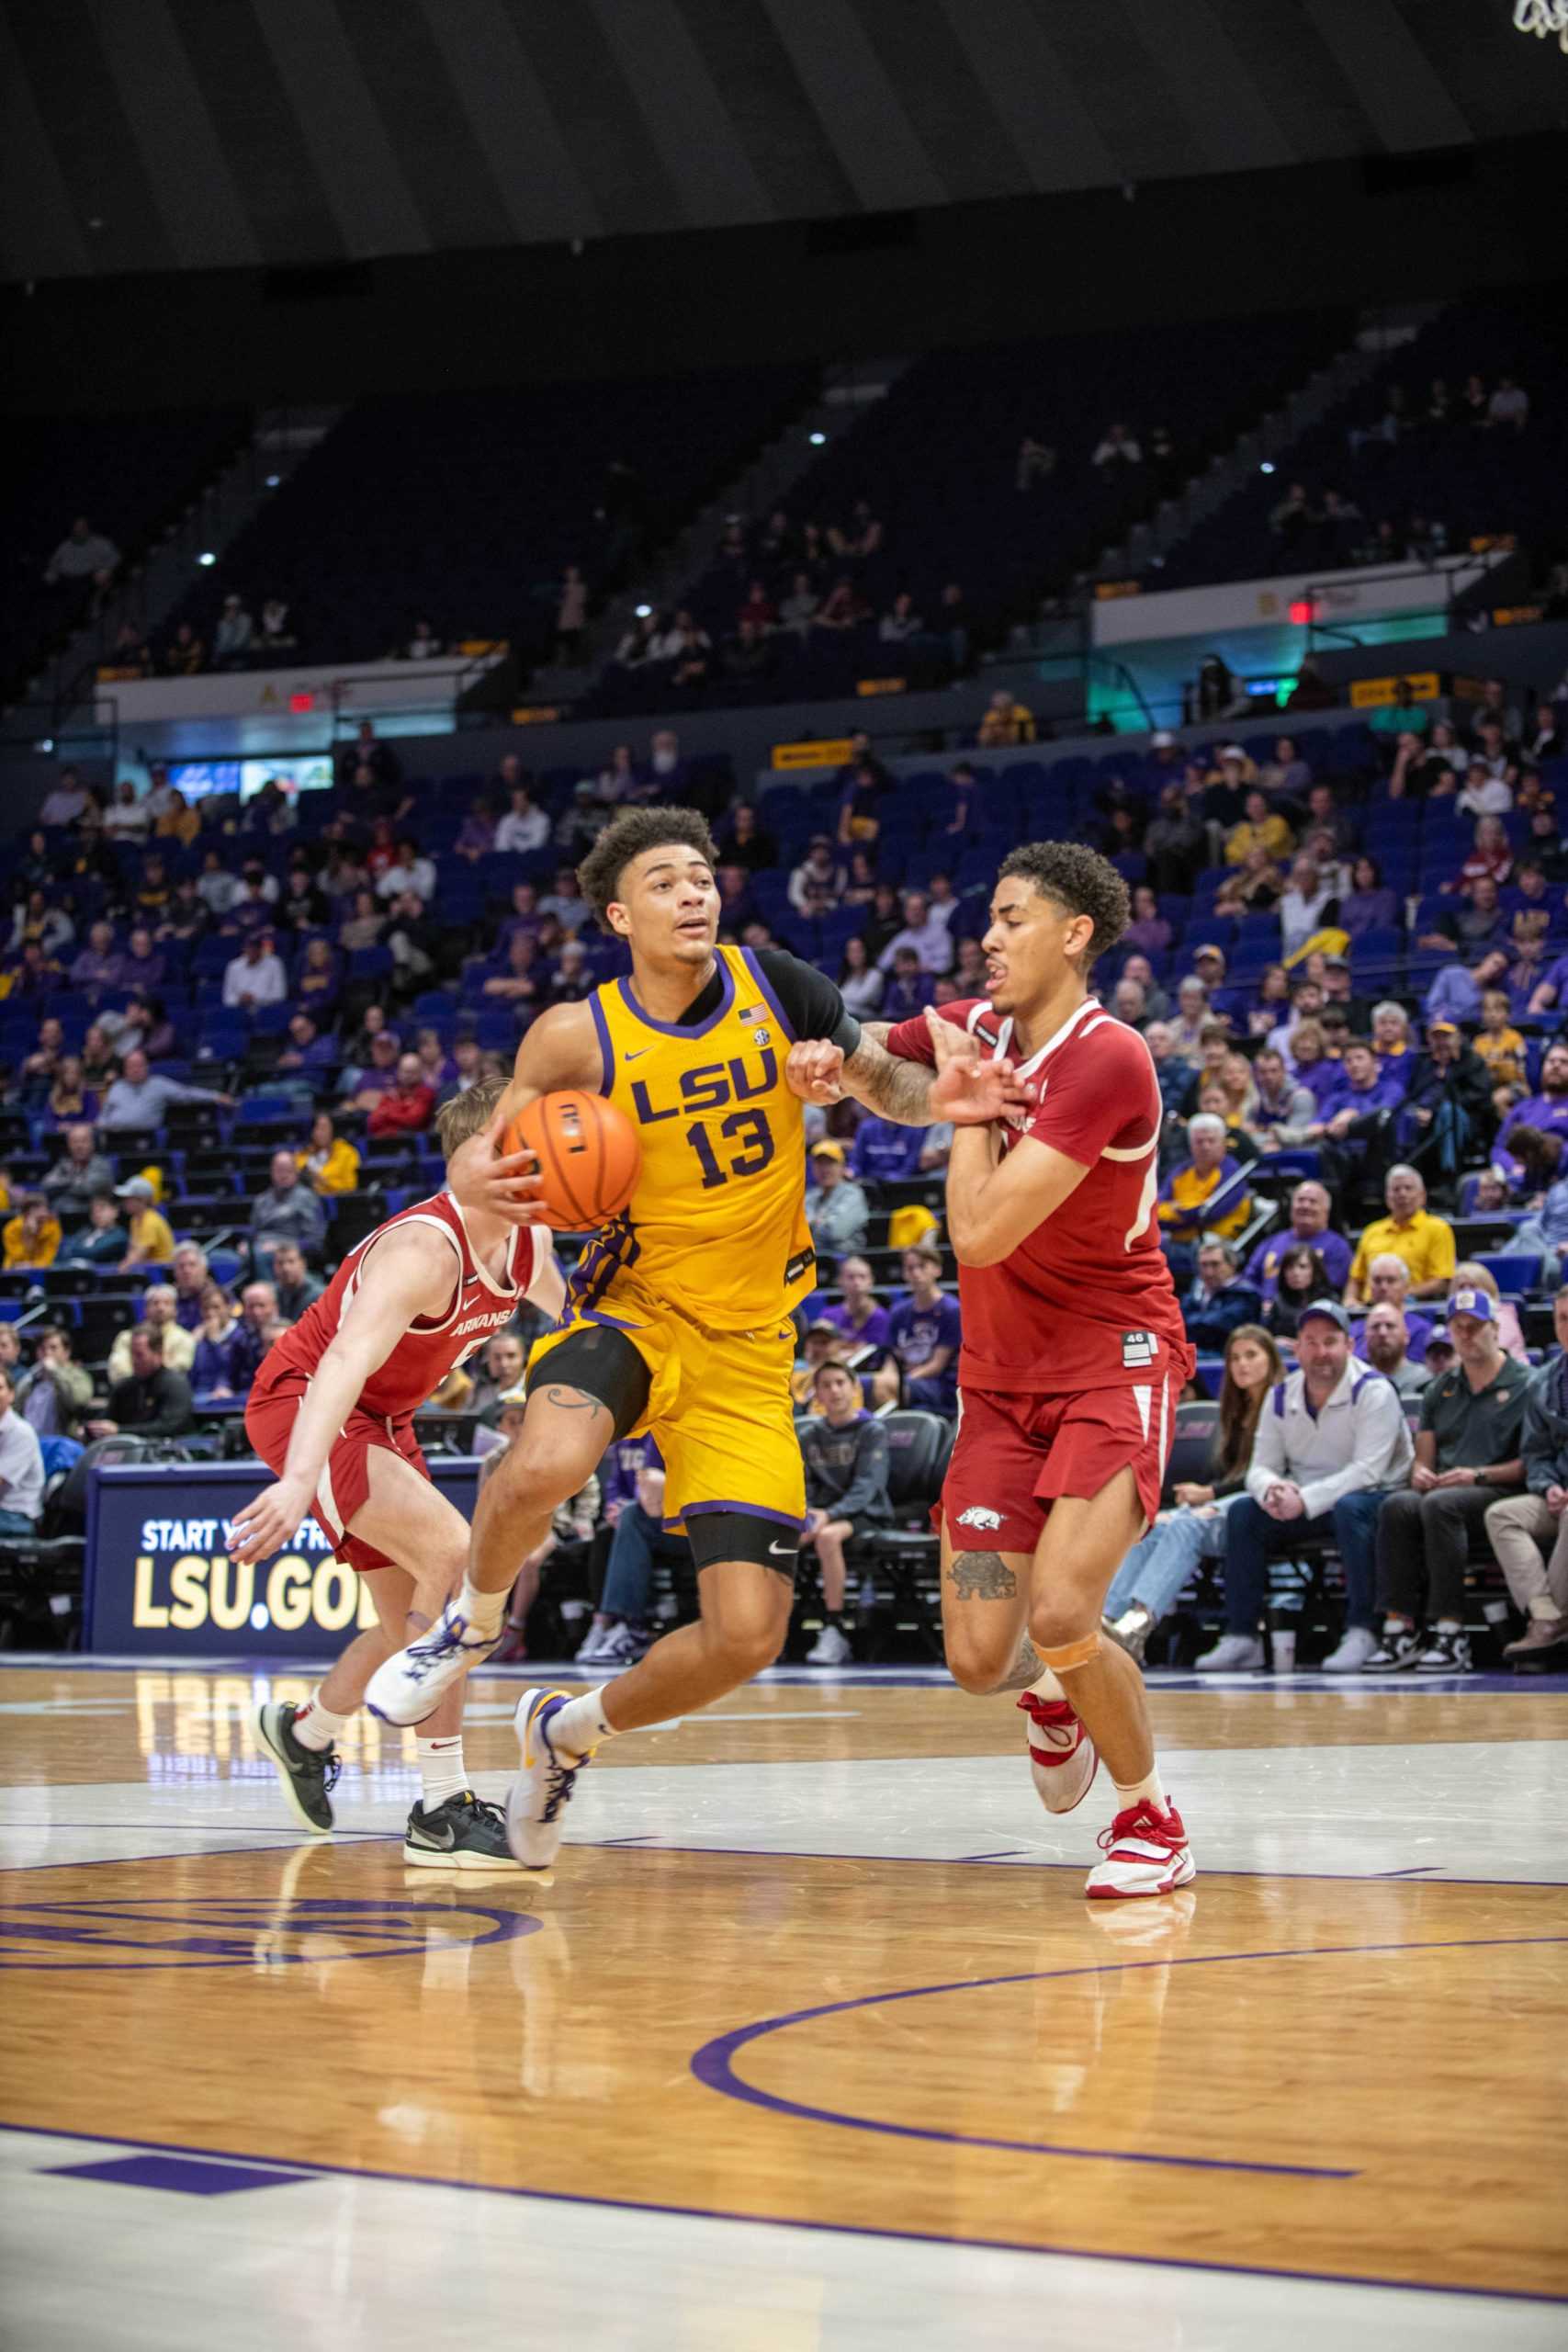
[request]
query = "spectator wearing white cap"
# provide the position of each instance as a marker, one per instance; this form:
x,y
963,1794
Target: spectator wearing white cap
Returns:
x,y
1467,1447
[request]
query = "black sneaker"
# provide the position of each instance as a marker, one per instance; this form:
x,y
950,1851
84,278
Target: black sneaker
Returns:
x,y
308,1774
1394,1654
461,1834
1445,1654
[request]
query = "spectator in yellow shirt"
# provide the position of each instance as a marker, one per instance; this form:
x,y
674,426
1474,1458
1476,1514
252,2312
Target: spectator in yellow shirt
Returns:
x,y
151,1239
1498,1043
331,1164
1261,828
1005,722
1422,1242
32,1236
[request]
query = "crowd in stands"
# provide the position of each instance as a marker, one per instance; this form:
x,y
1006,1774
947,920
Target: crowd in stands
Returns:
x,y
225,1029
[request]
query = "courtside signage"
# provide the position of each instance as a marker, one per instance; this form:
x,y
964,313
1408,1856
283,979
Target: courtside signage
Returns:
x,y
160,1579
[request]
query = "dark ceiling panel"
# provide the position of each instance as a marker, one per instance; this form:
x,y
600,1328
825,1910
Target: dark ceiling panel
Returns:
x,y
790,153
429,130
39,233
528,156
1050,126
356,159
952,116
190,175
259,132
1124,89
599,116
1302,83
686,117
844,79
80,107
1408,103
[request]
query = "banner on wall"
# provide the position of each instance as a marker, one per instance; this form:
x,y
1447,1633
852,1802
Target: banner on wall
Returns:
x,y
160,1581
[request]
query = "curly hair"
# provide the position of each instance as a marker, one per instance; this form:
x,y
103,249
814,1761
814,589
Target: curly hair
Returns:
x,y
1081,882
636,830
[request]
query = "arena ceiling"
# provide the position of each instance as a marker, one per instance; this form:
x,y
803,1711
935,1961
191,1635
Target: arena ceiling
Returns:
x,y
151,135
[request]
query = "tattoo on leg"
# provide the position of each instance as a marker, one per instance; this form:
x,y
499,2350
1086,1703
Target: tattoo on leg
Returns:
x,y
1027,1668
981,1576
573,1400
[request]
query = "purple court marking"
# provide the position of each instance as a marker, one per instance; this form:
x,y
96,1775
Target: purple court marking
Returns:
x,y
1412,1870
712,2064
790,2222
223,1932
188,2174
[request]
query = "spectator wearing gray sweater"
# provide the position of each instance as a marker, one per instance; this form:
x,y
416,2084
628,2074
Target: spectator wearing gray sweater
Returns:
x,y
846,1456
287,1211
137,1102
837,1210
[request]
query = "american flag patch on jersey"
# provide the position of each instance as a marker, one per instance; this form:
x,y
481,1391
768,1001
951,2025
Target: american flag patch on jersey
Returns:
x,y
752,1013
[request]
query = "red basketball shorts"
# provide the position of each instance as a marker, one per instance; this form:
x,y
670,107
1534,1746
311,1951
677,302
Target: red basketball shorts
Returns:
x,y
345,1482
1016,1453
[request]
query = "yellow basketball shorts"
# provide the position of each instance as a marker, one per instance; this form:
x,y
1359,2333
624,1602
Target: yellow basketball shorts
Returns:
x,y
718,1409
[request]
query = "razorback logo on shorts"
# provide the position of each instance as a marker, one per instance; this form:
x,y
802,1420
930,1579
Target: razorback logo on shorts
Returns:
x,y
978,1516
1138,1348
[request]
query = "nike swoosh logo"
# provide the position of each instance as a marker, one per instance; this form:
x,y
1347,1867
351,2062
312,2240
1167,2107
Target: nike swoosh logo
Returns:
x,y
447,1840
782,1551
636,1054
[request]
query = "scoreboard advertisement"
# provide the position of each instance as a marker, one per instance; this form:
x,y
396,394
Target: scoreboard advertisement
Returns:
x,y
160,1581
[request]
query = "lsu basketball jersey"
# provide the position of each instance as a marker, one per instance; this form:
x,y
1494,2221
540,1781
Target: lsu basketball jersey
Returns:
x,y
717,1226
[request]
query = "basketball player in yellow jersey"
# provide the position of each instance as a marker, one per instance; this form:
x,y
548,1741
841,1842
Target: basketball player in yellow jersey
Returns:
x,y
677,1320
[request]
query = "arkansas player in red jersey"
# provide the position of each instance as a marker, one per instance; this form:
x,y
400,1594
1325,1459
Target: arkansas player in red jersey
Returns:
x,y
1074,1352
331,1412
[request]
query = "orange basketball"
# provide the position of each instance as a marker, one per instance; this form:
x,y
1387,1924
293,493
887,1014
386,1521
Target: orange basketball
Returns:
x,y
588,1152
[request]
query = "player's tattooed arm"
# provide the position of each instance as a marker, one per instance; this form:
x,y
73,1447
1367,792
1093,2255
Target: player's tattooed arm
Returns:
x,y
962,1087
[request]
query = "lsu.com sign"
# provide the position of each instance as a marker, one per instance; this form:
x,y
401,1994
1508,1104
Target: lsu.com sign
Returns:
x,y
161,1580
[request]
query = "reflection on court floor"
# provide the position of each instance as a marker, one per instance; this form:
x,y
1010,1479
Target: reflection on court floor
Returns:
x,y
809,2040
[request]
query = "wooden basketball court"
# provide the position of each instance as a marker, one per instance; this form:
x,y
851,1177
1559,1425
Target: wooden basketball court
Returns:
x,y
809,2040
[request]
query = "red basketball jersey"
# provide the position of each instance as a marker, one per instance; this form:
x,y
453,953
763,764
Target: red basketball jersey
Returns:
x,y
1086,1300
479,1308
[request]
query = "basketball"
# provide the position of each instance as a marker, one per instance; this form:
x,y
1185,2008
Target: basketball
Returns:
x,y
588,1153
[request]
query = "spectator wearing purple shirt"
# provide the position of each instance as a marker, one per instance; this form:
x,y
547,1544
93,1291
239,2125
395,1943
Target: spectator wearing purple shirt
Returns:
x,y
307,1049
141,967
909,989
1309,1223
1550,989
882,1150
858,1316
1548,1111
1456,993
924,1332
1366,905
99,965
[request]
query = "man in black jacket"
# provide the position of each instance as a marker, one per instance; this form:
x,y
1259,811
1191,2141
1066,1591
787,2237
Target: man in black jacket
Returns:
x,y
846,1456
1447,1118
154,1401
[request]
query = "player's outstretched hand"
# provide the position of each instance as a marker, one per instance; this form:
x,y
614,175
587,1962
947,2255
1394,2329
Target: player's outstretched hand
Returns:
x,y
815,1070
487,1182
966,1090
270,1522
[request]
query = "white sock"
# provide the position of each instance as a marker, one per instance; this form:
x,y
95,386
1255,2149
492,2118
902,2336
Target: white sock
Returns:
x,y
316,1726
484,1610
1150,1790
1048,1688
579,1726
441,1769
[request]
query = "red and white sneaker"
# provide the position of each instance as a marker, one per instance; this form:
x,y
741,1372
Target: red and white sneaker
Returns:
x,y
1146,1853
1063,1758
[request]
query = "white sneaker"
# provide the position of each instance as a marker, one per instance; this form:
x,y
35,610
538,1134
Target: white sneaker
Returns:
x,y
831,1647
592,1643
543,1789
1355,1647
1233,1653
412,1685
1062,1759
1146,1853
622,1644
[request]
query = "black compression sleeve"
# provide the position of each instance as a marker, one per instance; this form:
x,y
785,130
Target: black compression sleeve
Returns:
x,y
807,999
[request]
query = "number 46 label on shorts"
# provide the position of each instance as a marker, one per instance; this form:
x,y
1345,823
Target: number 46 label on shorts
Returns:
x,y
1139,1350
